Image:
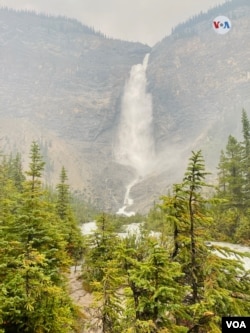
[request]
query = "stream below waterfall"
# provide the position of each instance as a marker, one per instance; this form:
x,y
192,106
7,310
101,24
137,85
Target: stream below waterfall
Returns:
x,y
128,201
134,229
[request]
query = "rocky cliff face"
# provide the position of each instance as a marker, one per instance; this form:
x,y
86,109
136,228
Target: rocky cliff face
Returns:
x,y
200,80
61,83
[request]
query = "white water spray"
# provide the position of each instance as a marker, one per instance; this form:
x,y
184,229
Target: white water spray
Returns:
x,y
135,144
127,200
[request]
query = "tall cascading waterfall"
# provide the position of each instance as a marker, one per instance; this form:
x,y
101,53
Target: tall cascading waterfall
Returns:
x,y
135,143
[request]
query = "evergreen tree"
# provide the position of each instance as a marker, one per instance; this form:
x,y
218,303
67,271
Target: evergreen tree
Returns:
x,y
36,167
234,188
100,249
37,225
15,171
202,268
71,230
193,183
102,275
63,195
153,295
222,174
246,158
107,306
231,173
33,288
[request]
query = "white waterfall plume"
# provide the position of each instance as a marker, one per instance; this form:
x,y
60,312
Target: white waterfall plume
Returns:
x,y
135,140
135,144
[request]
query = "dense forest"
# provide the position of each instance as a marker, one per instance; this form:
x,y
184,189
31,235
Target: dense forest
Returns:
x,y
173,282
40,240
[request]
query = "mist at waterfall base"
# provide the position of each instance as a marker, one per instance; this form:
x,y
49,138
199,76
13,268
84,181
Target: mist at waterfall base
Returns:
x,y
135,143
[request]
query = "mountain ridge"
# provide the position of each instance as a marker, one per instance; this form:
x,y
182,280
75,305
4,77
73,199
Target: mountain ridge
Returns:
x,y
63,86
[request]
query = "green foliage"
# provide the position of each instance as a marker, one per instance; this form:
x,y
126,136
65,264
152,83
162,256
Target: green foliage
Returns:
x,y
213,281
13,170
36,166
155,220
226,284
133,280
234,188
83,211
107,298
70,228
33,260
100,248
63,195
118,222
231,173
153,293
174,283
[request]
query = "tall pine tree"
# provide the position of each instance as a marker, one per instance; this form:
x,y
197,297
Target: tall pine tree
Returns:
x,y
246,158
69,225
33,292
202,267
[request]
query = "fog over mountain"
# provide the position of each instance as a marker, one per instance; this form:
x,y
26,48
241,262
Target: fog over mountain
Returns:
x,y
146,21
64,85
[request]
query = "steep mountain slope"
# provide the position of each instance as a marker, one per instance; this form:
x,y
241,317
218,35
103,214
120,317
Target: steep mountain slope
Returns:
x,y
200,80
62,83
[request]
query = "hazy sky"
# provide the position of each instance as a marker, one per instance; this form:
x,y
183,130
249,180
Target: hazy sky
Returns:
x,y
147,21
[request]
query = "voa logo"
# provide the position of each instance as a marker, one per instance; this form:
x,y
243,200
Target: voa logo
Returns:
x,y
236,324
230,324
222,25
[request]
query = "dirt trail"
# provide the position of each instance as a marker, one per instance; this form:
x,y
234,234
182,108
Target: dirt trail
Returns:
x,y
81,297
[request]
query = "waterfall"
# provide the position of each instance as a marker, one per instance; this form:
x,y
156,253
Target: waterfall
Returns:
x,y
127,200
135,144
135,140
